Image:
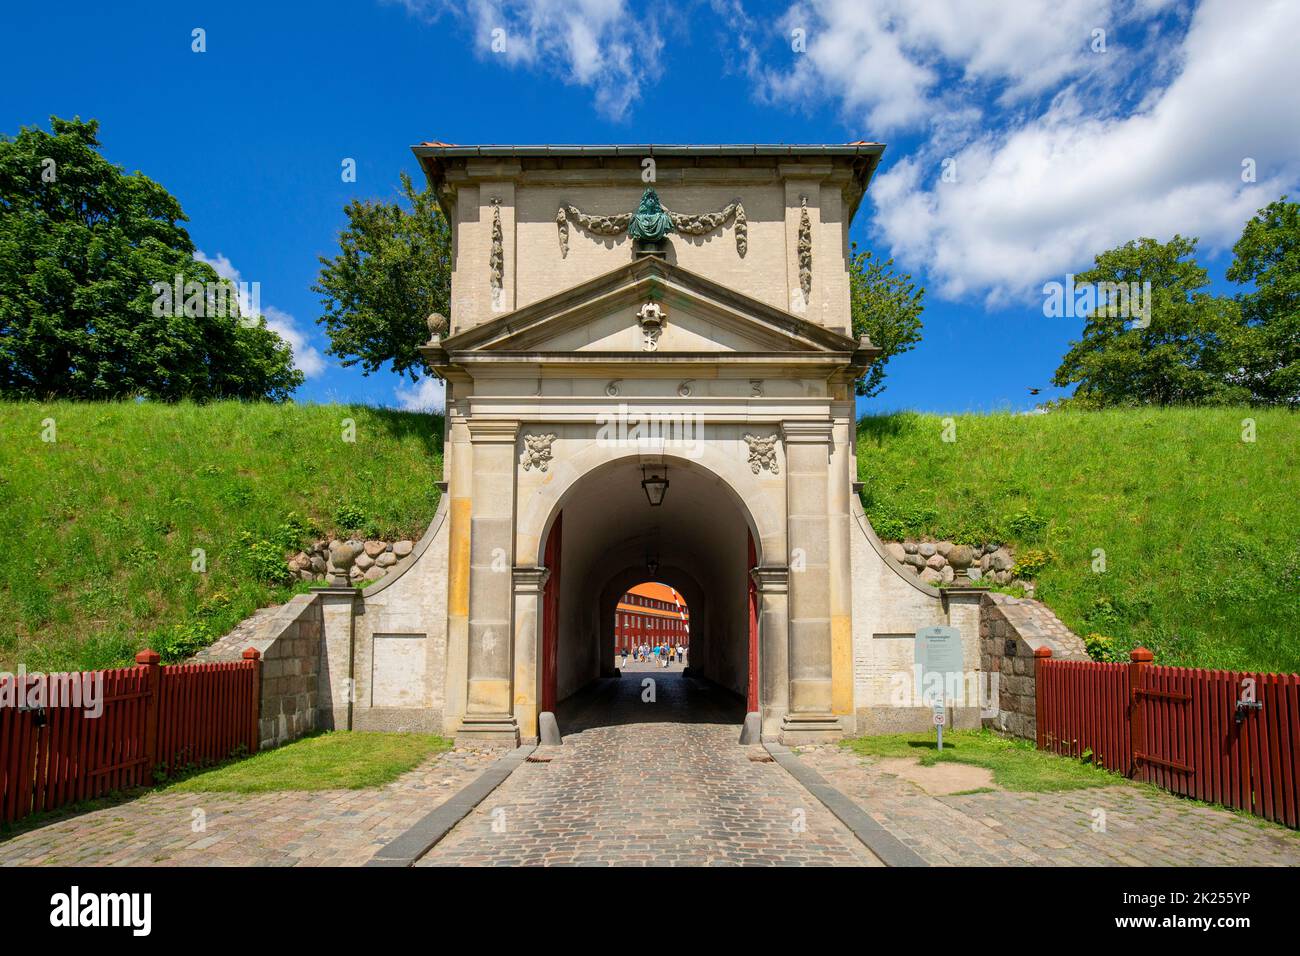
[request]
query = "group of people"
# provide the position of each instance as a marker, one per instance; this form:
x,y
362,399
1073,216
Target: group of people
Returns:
x,y
660,654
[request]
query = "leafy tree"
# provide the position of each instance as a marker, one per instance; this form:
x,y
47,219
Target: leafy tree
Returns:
x,y
1186,352
82,246
1268,254
886,306
394,270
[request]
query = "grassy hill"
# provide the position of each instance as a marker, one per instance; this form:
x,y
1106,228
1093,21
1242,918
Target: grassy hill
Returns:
x,y
1198,527
98,527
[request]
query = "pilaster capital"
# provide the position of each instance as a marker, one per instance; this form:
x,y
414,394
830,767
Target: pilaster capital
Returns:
x,y
771,580
492,431
808,432
530,580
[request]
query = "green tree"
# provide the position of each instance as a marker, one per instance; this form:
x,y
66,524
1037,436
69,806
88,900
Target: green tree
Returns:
x,y
886,306
84,249
1185,354
1268,254
393,271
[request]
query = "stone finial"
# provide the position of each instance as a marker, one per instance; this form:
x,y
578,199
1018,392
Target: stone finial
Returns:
x,y
437,325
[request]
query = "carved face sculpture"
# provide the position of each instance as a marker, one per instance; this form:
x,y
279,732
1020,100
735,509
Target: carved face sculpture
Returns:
x,y
650,222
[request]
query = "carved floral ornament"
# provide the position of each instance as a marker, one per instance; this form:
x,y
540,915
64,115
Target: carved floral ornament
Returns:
x,y
653,221
537,452
805,249
497,258
651,317
762,454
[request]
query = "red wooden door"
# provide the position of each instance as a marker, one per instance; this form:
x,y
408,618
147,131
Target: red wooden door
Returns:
x,y
751,699
551,615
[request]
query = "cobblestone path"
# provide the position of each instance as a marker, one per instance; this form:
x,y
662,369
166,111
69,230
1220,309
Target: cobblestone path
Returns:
x,y
660,784
288,828
1097,826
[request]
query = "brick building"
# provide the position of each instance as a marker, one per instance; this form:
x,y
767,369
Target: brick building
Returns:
x,y
651,613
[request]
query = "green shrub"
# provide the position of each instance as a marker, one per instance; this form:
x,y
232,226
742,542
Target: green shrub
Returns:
x,y
348,518
1029,562
1102,648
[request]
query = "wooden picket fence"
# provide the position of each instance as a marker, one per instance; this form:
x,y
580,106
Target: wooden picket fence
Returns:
x,y
154,719
1227,737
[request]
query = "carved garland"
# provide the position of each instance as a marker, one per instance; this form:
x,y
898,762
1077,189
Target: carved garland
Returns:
x,y
805,250
687,225
497,259
762,454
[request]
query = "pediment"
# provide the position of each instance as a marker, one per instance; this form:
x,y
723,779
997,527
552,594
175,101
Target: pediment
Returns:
x,y
616,313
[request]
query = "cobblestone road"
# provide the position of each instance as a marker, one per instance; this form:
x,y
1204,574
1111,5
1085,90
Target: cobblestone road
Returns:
x,y
290,828
660,784
1142,827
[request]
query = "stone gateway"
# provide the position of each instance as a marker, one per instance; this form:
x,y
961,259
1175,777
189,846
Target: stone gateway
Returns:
x,y
646,379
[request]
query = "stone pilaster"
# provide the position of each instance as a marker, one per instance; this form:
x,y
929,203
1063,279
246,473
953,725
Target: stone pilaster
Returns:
x,y
489,707
773,585
336,687
807,452
529,584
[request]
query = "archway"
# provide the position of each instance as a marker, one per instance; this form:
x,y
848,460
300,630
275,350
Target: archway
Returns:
x,y
654,615
606,536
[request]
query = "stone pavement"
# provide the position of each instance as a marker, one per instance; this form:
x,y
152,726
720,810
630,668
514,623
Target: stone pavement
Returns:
x,y
640,783
289,828
659,784
1143,827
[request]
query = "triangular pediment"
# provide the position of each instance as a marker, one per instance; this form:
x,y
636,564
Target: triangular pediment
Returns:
x,y
607,315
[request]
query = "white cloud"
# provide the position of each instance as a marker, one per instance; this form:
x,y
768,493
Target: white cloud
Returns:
x,y
1153,147
898,63
602,44
427,395
307,359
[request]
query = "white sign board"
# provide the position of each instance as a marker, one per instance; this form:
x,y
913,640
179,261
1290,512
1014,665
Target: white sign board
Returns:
x,y
938,663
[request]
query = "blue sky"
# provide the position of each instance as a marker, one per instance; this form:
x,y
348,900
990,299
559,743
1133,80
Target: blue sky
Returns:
x,y
1064,141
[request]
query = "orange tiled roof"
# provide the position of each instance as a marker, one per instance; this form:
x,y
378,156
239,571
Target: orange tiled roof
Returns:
x,y
656,592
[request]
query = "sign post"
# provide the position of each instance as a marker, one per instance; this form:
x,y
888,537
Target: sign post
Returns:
x,y
938,656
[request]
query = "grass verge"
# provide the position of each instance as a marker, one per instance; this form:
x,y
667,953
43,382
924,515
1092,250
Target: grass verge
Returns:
x,y
1016,764
337,760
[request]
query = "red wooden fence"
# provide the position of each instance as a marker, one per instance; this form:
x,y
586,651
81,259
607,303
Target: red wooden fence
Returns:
x,y
1227,737
153,718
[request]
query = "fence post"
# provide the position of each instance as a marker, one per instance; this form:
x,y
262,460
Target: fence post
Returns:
x,y
1139,658
1041,654
153,704
255,736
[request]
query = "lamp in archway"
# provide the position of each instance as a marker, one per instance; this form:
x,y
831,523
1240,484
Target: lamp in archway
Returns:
x,y
654,482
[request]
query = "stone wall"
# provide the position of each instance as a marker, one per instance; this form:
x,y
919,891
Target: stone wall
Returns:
x,y
1011,630
289,639
936,562
375,560
891,602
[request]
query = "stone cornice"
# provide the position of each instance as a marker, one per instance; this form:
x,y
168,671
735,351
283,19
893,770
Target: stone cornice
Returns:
x,y
808,433
770,579
492,431
530,580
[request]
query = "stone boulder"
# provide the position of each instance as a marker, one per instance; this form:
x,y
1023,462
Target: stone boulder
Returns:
x,y
403,548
